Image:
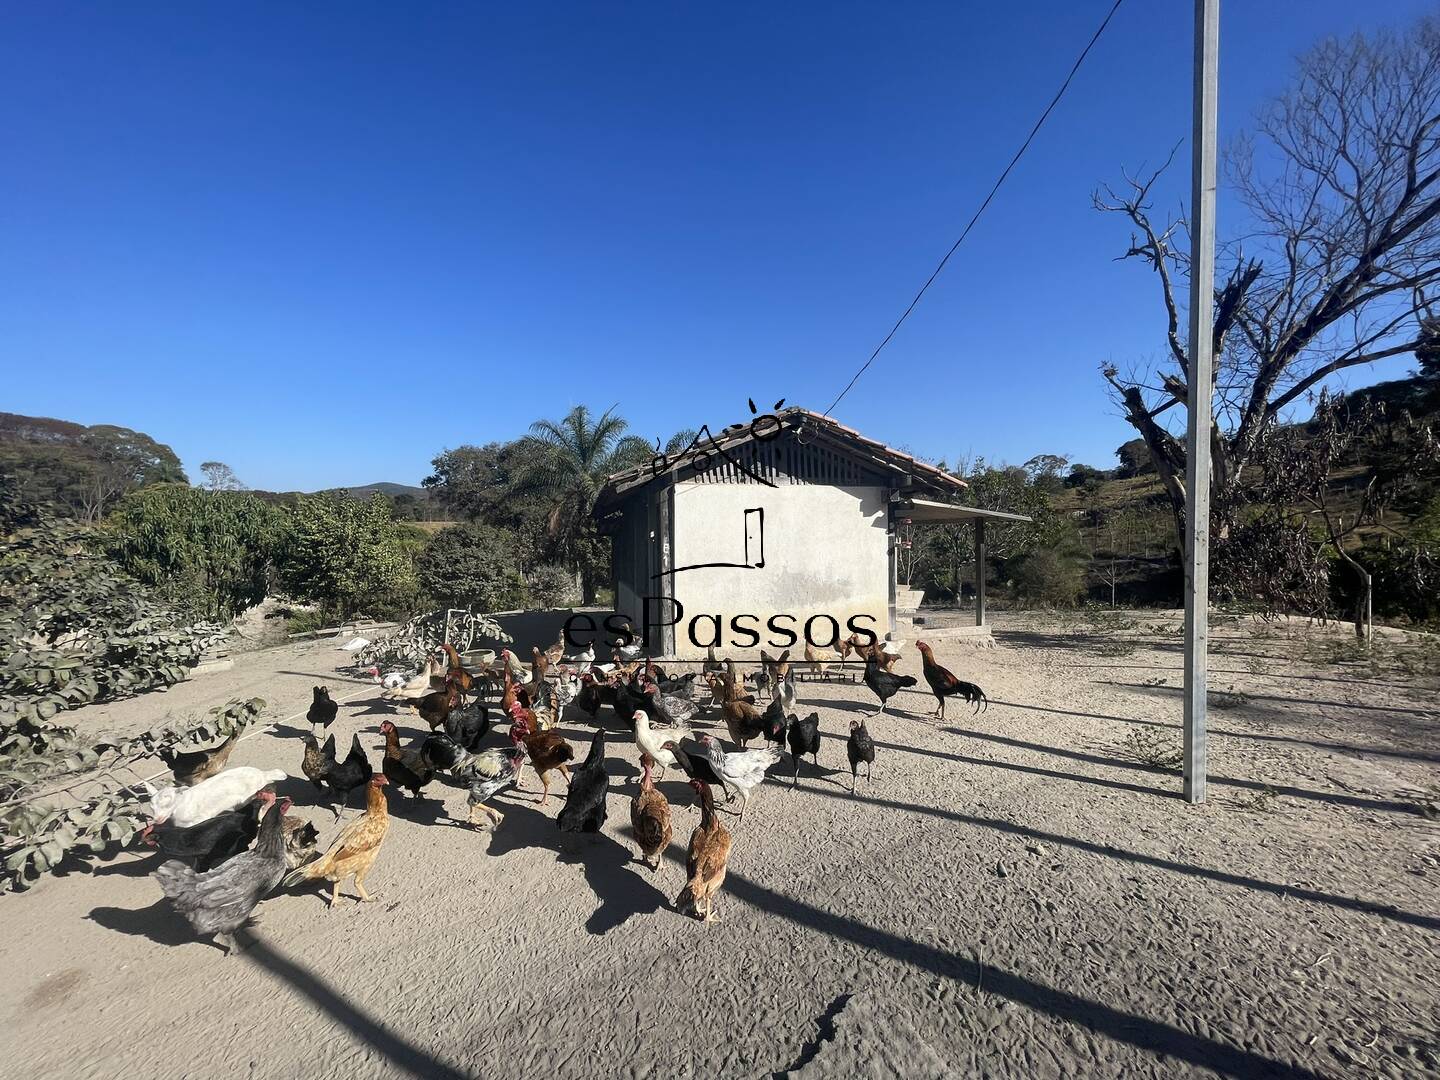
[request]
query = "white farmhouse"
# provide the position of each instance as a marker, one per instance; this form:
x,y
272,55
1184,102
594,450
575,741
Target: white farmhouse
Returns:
x,y
767,533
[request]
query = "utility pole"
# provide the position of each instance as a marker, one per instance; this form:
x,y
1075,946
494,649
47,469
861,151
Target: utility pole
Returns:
x,y
1201,391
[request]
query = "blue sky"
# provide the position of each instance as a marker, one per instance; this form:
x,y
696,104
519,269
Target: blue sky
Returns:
x,y
322,242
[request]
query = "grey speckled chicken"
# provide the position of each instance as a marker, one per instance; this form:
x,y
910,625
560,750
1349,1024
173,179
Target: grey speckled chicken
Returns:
x,y
220,901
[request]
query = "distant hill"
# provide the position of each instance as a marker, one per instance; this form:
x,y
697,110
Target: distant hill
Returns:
x,y
389,490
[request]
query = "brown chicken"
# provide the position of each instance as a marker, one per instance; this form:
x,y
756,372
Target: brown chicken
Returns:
x,y
743,720
435,708
650,817
192,766
547,749
354,850
407,768
709,851
456,674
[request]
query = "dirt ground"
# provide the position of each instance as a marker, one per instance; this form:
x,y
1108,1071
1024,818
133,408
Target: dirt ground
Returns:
x,y
1015,895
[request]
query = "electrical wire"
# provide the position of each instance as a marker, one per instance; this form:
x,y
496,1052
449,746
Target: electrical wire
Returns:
x,y
955,246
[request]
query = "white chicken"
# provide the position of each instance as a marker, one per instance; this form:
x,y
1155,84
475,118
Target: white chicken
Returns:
x,y
742,770
183,807
584,659
417,686
651,740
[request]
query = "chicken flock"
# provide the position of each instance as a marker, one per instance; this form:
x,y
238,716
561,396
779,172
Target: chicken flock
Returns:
x,y
230,841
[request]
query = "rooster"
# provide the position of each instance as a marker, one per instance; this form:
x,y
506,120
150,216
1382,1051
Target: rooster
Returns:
x,y
490,773
944,685
547,749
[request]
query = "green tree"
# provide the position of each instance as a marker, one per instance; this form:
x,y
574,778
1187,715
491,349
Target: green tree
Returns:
x,y
212,552
472,566
349,556
566,462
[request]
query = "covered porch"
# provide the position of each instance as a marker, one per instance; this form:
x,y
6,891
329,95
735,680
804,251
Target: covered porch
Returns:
x,y
931,512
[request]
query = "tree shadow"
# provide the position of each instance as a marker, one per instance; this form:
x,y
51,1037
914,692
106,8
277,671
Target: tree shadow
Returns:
x,y
1176,691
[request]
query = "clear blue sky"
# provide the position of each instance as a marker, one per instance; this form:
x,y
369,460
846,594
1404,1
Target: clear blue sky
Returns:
x,y
320,242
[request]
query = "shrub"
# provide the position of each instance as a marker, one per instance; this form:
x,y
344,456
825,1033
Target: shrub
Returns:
x,y
1052,576
472,566
553,587
213,553
349,556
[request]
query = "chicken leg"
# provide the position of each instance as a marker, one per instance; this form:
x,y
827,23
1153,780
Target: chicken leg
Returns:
x,y
365,898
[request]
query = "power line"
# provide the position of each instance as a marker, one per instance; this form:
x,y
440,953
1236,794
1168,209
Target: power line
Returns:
x,y
1013,161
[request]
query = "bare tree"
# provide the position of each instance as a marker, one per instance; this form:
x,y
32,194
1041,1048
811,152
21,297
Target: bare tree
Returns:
x,y
1341,184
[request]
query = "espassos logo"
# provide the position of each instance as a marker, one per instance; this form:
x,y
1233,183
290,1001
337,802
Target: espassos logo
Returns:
x,y
707,630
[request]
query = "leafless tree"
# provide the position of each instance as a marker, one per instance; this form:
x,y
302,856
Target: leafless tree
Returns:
x,y
1341,184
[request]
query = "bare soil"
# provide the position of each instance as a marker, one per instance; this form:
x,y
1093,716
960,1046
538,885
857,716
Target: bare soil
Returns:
x,y
1015,895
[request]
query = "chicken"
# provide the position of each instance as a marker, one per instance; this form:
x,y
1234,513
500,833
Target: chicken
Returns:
x,y
669,710
785,694
322,709
630,653
214,840
694,762
406,768
883,684
429,679
315,763
650,817
651,740
817,658
455,673
742,770
804,738
192,766
742,719
712,666
353,852
775,670
220,901
584,658
514,666
593,694
547,750
773,722
585,804
444,754
944,685
490,773
435,707
300,840
468,725
705,866
556,653
859,747
183,807
343,777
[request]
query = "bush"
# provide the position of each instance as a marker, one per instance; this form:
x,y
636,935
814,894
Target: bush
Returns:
x,y
553,587
213,553
1052,576
472,566
349,556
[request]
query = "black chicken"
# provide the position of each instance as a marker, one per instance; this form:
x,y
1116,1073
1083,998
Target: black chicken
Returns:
x,y
630,696
694,761
322,709
215,839
343,777
859,747
804,738
444,753
883,684
469,725
773,723
584,809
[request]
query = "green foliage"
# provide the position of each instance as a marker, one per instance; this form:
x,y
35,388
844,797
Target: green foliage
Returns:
x,y
472,566
305,621
1053,575
214,552
1134,459
74,627
63,797
348,556
81,470
552,587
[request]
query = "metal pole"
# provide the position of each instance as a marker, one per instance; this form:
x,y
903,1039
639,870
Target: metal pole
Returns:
x,y
1201,391
979,572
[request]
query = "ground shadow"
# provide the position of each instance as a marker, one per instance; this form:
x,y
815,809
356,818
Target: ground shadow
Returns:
x,y
368,1029
159,923
1176,691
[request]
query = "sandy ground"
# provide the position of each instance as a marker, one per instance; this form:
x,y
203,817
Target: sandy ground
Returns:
x,y
1011,897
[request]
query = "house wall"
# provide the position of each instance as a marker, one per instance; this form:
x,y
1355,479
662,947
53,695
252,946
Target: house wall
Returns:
x,y
825,550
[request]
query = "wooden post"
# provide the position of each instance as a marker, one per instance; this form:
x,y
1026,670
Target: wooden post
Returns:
x,y
1201,391
979,572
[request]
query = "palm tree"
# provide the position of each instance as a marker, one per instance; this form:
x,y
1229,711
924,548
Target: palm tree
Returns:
x,y
570,460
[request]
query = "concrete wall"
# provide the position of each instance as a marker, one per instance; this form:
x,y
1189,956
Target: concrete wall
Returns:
x,y
826,552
